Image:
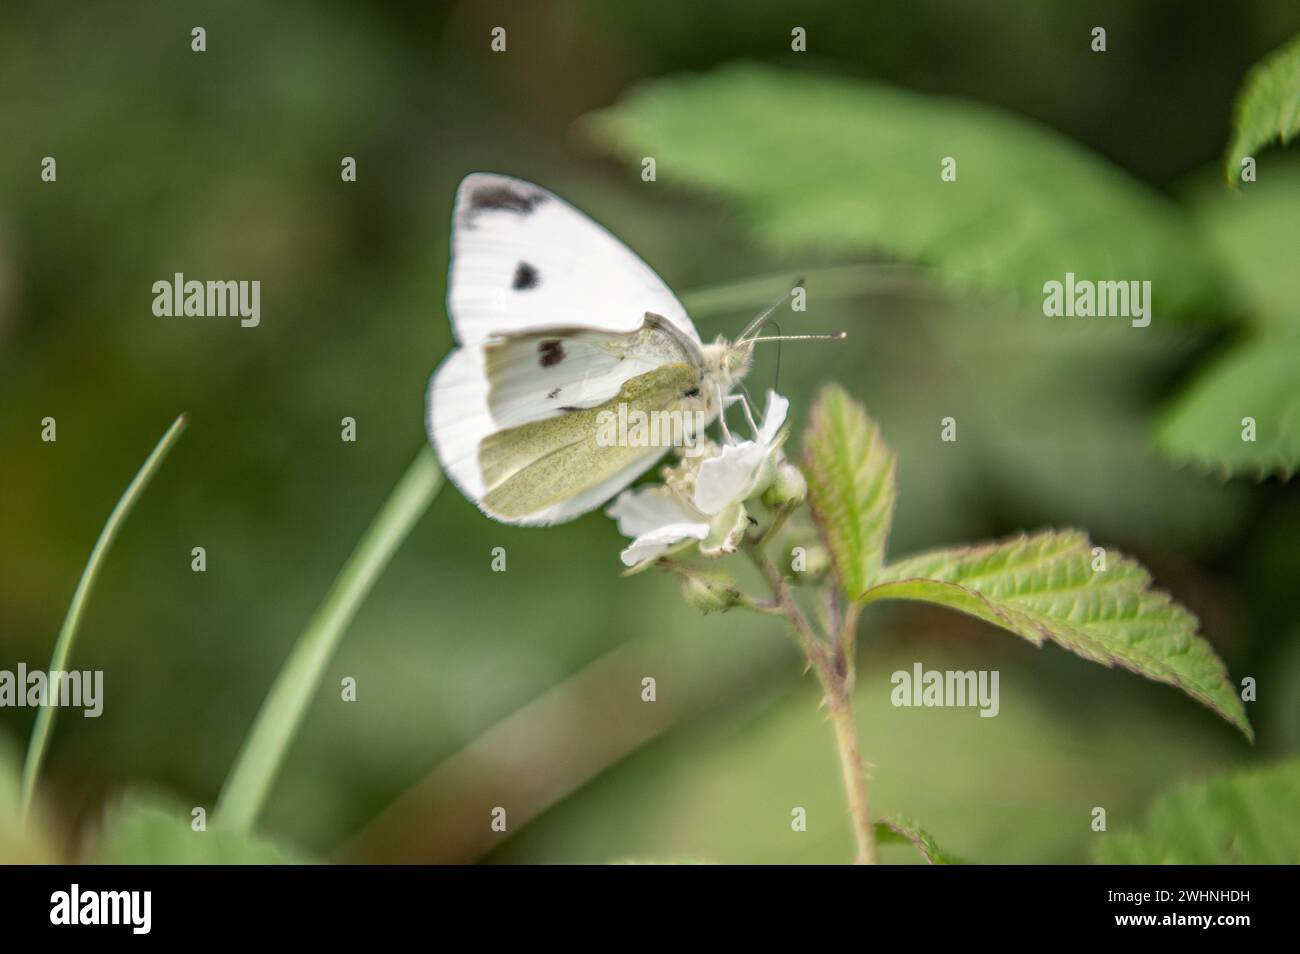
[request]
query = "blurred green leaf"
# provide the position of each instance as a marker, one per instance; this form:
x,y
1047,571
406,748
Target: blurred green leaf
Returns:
x,y
1252,231
850,471
1044,587
1267,107
817,161
1261,380
898,830
1246,818
148,829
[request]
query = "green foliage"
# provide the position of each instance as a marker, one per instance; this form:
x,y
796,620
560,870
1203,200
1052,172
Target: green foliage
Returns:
x,y
850,473
899,830
1246,818
861,173
148,829
1260,380
1267,107
1044,587
1252,230
81,595
1049,586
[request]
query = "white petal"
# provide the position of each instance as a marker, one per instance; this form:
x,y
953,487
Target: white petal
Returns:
x,y
773,417
725,532
726,479
640,511
659,541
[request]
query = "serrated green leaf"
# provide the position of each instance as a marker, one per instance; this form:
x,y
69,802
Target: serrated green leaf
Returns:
x,y
823,162
899,830
145,828
1259,380
1267,107
850,473
1043,587
1247,818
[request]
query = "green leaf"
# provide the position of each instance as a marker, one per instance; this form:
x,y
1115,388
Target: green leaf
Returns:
x,y
850,472
1267,107
1252,231
1247,818
851,167
148,829
1259,380
1043,587
898,830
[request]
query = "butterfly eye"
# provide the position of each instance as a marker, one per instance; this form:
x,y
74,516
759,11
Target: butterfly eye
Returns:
x,y
692,393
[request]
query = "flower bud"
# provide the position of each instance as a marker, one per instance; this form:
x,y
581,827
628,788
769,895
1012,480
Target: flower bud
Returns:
x,y
788,486
710,592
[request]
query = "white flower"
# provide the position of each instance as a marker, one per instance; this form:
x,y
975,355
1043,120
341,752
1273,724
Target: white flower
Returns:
x,y
703,499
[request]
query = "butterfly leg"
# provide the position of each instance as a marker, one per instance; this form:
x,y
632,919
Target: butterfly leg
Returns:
x,y
748,408
723,404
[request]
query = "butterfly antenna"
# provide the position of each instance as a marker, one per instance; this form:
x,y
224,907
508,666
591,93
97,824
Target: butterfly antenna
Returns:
x,y
776,378
753,326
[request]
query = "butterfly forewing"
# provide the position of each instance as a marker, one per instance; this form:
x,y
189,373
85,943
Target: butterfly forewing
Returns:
x,y
523,258
536,375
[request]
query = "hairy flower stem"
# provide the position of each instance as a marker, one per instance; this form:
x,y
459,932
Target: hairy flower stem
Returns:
x,y
834,665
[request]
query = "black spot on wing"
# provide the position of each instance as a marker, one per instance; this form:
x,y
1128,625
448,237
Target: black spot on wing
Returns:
x,y
553,394
550,352
526,277
505,197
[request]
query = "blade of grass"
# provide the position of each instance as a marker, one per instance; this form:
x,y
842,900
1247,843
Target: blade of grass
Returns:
x,y
68,632
249,782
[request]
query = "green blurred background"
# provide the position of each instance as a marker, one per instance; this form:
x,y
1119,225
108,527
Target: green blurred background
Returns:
x,y
226,165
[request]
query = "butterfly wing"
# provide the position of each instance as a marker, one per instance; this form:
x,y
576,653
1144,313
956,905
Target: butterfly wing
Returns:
x,y
523,258
534,375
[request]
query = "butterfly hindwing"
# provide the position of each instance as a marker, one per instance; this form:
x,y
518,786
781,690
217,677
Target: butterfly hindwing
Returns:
x,y
538,465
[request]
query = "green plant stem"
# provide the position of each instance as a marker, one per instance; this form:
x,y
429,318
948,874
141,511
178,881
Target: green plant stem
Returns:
x,y
834,665
67,633
249,782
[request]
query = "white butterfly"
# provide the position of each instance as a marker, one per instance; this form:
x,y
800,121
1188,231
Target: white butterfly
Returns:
x,y
557,321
